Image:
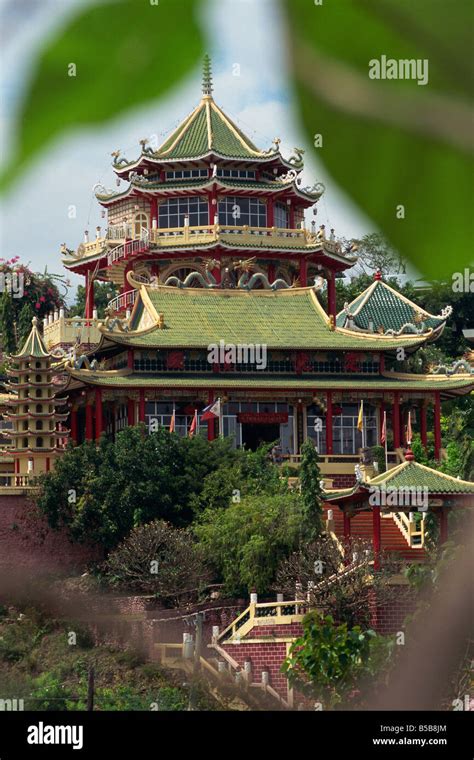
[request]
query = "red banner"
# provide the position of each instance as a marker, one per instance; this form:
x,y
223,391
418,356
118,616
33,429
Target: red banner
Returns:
x,y
262,418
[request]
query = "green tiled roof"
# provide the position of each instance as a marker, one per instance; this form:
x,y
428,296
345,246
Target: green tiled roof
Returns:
x,y
207,129
33,345
382,305
254,381
282,319
412,474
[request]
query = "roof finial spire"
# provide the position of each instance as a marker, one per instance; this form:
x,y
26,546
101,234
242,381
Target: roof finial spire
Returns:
x,y
207,77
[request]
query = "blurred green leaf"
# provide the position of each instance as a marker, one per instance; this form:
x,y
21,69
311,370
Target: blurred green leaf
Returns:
x,y
125,53
391,143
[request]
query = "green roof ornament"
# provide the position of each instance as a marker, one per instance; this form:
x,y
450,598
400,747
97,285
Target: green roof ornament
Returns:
x,y
207,77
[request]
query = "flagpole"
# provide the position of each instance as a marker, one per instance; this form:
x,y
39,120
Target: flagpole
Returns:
x,y
386,436
363,426
221,426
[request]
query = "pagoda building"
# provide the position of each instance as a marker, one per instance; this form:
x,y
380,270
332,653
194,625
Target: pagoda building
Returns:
x,y
37,435
206,197
220,284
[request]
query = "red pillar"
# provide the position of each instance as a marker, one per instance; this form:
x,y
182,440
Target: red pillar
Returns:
x,y
89,295
347,526
443,525
141,406
89,423
153,211
329,443
99,417
376,527
270,213
381,418
396,420
423,425
73,424
437,426
131,412
211,429
303,271
332,295
271,273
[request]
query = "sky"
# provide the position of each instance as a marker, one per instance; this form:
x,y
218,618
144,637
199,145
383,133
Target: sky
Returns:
x,y
34,218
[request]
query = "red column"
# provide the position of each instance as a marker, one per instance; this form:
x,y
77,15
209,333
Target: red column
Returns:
x,y
423,425
443,525
73,424
89,423
271,273
437,426
48,466
141,406
270,213
396,420
329,443
376,527
131,412
332,295
99,417
381,416
347,526
153,211
211,429
303,271
130,358
89,295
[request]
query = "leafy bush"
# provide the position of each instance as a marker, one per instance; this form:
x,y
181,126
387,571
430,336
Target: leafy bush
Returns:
x,y
101,492
245,542
327,660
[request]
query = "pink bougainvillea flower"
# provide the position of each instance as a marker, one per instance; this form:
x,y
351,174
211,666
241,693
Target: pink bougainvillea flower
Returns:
x,y
37,305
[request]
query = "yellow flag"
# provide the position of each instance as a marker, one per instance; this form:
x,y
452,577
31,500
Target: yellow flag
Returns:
x,y
360,420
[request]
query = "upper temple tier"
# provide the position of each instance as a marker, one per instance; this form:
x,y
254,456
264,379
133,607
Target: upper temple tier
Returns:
x,y
208,193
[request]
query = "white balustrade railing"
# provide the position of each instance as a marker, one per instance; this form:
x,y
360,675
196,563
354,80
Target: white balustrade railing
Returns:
x,y
123,301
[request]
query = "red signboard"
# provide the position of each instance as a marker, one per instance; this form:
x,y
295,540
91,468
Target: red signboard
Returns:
x,y
262,418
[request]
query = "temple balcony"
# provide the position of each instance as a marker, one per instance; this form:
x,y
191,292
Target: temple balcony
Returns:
x,y
122,240
61,331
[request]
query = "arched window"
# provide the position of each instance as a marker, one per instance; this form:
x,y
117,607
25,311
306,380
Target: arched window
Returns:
x,y
171,213
39,443
235,212
39,408
141,220
38,365
39,425
38,378
38,393
25,443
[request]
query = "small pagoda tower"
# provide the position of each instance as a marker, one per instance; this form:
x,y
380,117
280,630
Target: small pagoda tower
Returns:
x,y
37,434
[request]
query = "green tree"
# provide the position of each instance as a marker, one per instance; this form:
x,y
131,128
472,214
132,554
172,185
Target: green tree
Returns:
x,y
100,492
245,542
103,293
311,491
24,322
7,326
327,661
375,252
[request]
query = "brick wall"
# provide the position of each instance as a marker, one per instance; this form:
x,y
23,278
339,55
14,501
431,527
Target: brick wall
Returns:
x,y
342,481
27,543
264,656
390,617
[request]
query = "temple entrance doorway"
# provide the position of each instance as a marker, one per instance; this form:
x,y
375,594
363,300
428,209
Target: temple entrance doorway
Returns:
x,y
255,434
